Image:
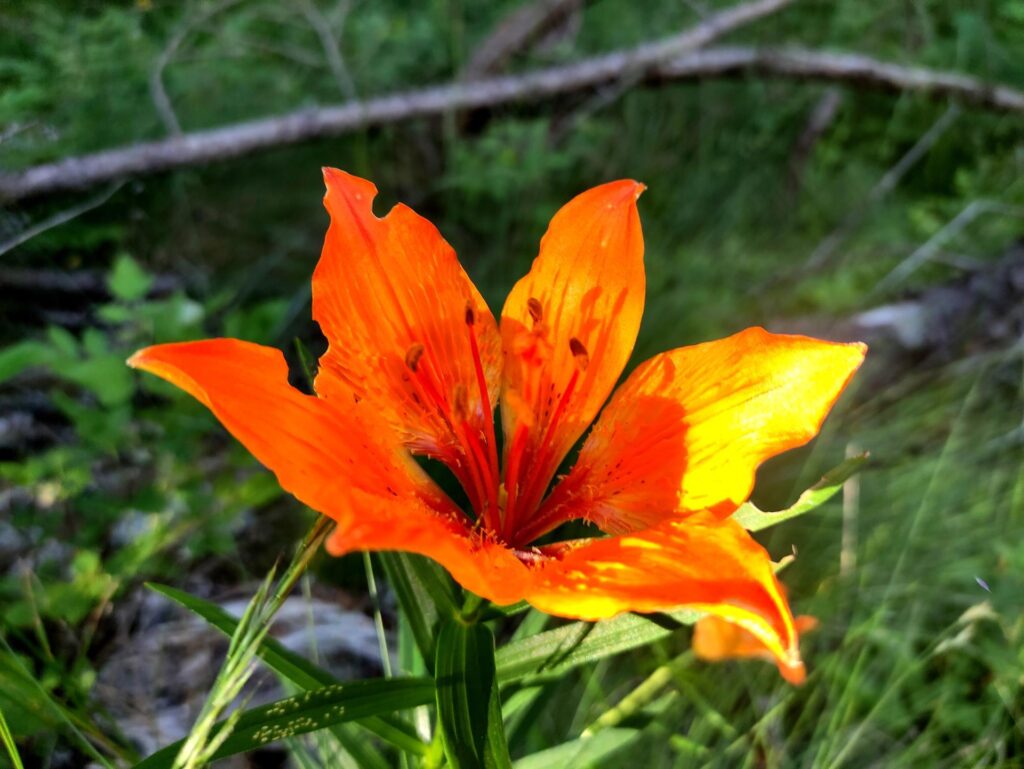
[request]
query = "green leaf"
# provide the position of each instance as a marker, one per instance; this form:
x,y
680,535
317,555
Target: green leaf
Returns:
x,y
23,355
753,519
308,712
104,375
293,667
426,595
583,752
128,281
554,652
468,706
63,341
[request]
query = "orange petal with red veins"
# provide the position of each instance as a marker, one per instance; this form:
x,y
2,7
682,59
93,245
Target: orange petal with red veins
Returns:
x,y
475,560
568,329
689,428
332,456
715,640
406,330
701,562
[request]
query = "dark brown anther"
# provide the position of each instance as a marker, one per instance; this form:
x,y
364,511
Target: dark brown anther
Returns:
x,y
536,310
413,355
579,353
460,404
470,315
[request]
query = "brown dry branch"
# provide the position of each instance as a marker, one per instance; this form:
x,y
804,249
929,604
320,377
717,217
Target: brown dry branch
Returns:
x,y
247,138
801,63
516,32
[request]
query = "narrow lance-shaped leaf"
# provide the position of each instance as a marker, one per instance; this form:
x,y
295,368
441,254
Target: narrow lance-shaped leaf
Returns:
x,y
307,712
586,751
426,595
554,652
468,706
753,519
294,667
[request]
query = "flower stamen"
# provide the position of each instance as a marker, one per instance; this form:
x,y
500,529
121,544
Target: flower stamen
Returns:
x,y
490,464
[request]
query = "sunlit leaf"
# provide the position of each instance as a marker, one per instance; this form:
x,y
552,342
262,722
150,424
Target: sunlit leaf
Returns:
x,y
753,519
127,280
554,652
586,751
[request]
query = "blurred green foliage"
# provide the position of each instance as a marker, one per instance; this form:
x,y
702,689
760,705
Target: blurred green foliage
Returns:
x,y
919,658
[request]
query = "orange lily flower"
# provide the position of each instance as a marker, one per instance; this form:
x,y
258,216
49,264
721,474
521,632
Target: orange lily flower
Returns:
x,y
416,364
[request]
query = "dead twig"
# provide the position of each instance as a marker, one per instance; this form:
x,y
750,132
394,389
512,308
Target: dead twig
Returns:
x,y
157,90
931,248
59,218
818,122
516,32
329,44
826,248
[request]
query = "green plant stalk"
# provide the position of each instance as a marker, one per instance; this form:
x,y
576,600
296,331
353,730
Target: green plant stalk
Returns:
x,y
378,618
643,694
378,626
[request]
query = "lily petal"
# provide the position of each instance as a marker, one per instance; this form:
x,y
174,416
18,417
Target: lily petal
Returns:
x,y
701,562
408,332
715,639
568,329
329,455
689,428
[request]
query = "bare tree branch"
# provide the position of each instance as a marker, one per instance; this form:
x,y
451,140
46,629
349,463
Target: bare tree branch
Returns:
x,y
331,49
516,32
246,138
818,122
157,91
854,68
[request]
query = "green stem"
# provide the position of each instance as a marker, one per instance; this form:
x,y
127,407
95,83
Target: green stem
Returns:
x,y
648,689
472,608
378,619
434,757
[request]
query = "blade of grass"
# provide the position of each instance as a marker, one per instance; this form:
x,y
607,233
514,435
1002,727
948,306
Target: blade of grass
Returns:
x,y
68,718
832,750
8,740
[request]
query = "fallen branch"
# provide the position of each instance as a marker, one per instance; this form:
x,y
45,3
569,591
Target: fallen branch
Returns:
x,y
854,68
247,138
